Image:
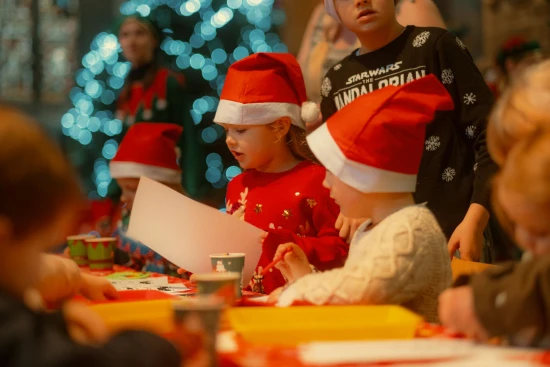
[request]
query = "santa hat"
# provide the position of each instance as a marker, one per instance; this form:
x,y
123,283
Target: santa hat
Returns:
x,y
149,149
262,88
330,9
375,143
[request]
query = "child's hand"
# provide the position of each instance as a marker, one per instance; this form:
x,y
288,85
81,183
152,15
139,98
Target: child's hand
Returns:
x,y
97,288
457,313
84,325
348,226
294,264
468,236
468,240
59,278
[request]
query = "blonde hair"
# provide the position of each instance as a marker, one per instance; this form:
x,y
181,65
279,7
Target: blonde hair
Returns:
x,y
295,140
520,112
527,169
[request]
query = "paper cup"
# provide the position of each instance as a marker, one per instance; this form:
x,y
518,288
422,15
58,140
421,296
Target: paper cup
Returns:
x,y
101,253
197,324
229,263
78,250
221,285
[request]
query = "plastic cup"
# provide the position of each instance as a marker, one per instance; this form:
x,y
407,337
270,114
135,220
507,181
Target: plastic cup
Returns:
x,y
229,263
197,325
101,253
221,285
78,249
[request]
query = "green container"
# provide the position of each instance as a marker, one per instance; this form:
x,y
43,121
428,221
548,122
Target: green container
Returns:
x,y
229,263
101,253
78,249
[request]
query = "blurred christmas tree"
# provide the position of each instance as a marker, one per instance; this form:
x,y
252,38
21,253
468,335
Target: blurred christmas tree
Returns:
x,y
202,38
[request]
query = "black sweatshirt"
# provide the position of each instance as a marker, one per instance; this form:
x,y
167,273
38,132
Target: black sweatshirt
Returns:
x,y
455,140
30,339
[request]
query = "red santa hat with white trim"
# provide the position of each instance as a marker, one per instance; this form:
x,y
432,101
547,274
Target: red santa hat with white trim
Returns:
x,y
150,150
375,143
262,88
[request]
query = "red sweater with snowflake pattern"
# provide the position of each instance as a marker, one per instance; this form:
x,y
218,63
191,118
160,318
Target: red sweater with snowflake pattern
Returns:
x,y
292,206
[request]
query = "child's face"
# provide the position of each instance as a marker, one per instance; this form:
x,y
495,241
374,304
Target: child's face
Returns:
x,y
531,220
363,16
254,146
353,203
129,187
21,257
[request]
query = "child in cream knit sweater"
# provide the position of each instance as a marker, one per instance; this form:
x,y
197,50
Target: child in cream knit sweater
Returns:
x,y
399,256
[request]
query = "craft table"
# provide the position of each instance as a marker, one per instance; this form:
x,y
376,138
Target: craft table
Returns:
x,y
248,355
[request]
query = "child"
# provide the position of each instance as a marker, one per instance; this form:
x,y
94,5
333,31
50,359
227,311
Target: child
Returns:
x,y
38,197
513,301
398,256
391,54
148,149
263,108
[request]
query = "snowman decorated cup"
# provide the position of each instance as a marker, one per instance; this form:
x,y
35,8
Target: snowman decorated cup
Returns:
x,y
228,263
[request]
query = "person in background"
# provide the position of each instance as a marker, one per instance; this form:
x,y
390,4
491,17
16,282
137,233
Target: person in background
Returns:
x,y
263,109
326,41
456,166
150,150
398,256
151,93
514,56
39,195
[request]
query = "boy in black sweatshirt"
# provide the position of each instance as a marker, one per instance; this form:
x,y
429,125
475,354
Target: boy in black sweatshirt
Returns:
x,y
456,166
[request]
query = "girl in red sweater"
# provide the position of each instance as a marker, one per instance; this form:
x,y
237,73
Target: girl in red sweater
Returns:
x,y
263,109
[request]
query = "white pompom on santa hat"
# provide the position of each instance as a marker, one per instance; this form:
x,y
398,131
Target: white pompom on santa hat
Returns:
x,y
149,149
375,143
262,88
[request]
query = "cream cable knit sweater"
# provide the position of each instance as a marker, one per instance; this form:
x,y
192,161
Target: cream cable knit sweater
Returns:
x,y
402,261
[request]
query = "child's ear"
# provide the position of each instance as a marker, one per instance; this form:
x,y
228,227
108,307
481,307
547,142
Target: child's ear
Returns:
x,y
282,126
6,230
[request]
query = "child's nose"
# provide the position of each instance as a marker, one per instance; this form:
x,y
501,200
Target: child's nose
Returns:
x,y
229,140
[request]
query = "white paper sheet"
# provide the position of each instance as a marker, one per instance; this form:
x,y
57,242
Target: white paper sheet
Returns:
x,y
186,232
333,353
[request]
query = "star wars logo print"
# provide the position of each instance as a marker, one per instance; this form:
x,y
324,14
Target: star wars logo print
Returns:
x,y
371,80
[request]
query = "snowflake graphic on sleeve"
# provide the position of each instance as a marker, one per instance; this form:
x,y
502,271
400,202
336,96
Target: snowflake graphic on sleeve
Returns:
x,y
447,76
449,174
421,39
471,131
337,67
326,87
470,98
460,43
432,143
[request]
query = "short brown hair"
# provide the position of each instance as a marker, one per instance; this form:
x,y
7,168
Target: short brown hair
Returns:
x,y
37,181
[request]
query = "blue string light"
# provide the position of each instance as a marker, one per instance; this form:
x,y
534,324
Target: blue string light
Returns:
x,y
103,73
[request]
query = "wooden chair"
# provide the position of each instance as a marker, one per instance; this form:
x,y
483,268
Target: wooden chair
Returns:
x,y
463,267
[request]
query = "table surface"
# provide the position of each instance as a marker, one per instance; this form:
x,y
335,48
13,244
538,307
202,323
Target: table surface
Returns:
x,y
249,355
